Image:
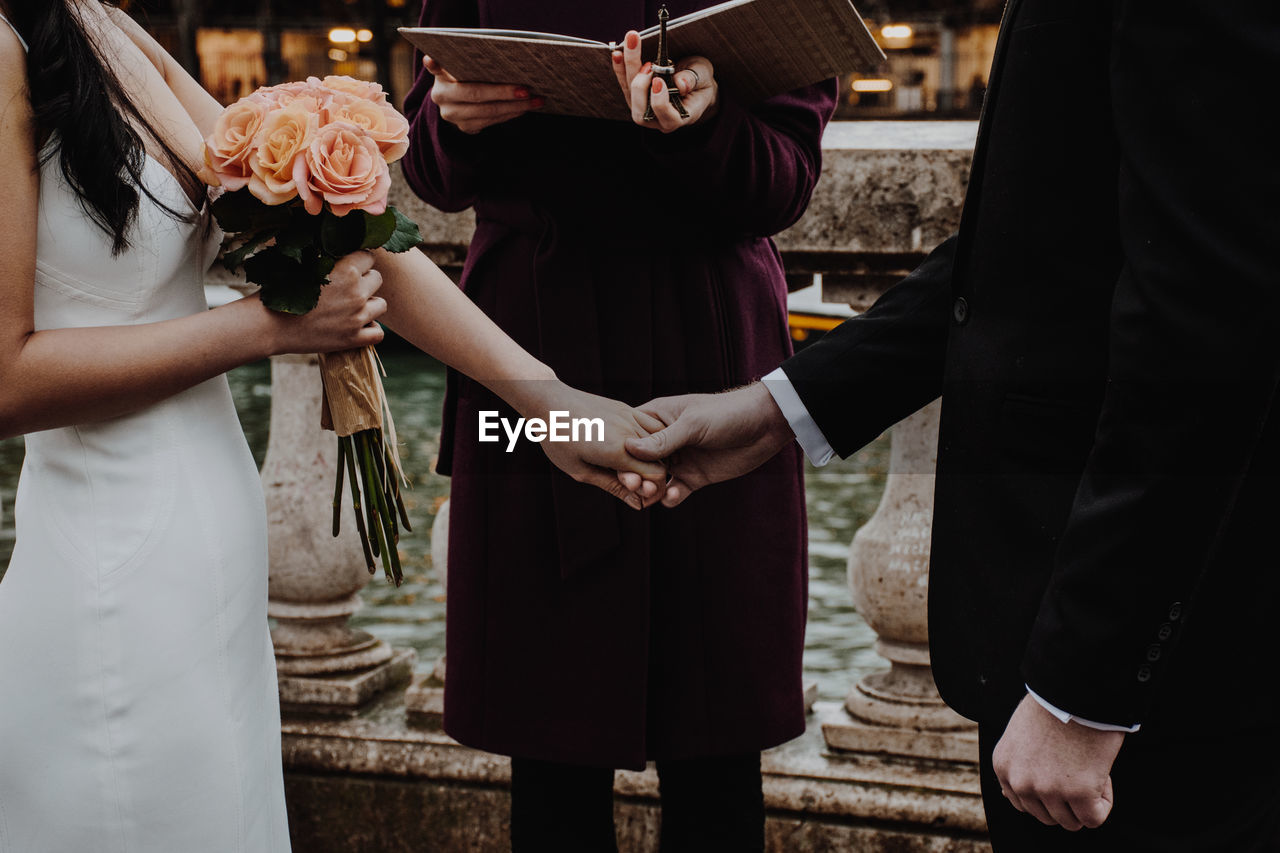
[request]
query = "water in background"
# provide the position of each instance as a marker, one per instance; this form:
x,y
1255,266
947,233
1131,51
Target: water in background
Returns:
x,y
841,497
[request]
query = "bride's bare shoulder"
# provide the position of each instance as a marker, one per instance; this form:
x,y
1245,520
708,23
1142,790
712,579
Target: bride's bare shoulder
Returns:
x,y
11,50
13,76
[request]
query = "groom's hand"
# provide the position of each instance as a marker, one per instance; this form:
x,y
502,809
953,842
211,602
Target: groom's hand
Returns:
x,y
1060,773
710,438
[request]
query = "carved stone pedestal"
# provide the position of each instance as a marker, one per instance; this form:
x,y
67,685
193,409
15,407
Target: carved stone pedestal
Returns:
x,y
325,666
898,711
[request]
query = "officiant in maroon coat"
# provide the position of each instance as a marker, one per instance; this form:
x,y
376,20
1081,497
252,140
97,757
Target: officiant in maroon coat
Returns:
x,y
584,636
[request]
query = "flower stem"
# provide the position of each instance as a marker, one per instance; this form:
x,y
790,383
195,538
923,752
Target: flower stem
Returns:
x,y
404,514
370,490
349,454
378,449
390,557
337,489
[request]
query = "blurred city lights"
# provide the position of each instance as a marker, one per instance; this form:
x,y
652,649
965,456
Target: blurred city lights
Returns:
x,y
896,32
342,35
364,36
873,85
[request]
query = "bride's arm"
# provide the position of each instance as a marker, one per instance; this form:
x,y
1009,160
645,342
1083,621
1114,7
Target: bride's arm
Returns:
x,y
69,376
203,108
428,310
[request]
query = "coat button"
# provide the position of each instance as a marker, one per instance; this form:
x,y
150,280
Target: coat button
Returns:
x,y
1175,611
1153,652
960,311
1144,674
1165,632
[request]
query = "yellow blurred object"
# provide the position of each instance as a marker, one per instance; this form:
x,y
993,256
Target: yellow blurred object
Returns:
x,y
872,85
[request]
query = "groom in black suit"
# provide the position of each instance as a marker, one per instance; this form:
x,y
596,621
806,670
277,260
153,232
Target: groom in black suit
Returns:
x,y
1104,332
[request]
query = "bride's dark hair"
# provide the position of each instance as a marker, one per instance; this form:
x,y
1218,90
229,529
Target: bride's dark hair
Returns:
x,y
81,108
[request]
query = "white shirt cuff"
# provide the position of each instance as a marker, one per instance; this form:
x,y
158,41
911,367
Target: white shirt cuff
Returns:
x,y
1068,718
808,436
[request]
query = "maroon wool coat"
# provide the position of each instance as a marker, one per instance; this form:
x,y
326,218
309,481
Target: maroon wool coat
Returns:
x,y
636,265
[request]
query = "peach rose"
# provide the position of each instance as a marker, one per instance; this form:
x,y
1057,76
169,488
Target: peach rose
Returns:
x,y
380,120
284,94
229,150
343,166
359,88
284,136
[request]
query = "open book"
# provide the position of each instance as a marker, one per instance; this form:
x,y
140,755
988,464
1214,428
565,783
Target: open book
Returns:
x,y
759,48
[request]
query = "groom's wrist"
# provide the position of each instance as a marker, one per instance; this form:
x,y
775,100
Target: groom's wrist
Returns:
x,y
773,420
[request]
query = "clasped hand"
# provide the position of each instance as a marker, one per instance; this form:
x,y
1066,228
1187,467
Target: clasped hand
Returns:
x,y
667,448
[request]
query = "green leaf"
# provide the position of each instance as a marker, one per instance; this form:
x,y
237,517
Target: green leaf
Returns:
x,y
378,229
287,286
241,211
288,300
406,236
341,235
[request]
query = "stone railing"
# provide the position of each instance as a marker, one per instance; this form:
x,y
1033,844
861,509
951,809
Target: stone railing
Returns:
x,y
890,769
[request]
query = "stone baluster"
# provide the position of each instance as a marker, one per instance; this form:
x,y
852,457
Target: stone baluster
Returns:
x,y
324,665
424,700
898,710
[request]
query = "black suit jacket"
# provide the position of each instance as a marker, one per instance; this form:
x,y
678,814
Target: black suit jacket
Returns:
x,y
1105,334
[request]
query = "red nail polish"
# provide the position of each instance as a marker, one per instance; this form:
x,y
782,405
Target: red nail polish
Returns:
x,y
646,68
657,85
539,102
522,93
633,40
617,57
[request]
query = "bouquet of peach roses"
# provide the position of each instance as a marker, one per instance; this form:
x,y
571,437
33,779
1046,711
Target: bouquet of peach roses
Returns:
x,y
305,172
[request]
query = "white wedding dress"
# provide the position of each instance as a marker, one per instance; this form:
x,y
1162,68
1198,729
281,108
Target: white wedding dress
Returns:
x,y
138,703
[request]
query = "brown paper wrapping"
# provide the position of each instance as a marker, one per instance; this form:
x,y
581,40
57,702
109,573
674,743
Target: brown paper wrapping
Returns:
x,y
353,391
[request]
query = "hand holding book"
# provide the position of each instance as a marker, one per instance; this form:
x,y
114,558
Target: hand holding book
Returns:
x,y
472,107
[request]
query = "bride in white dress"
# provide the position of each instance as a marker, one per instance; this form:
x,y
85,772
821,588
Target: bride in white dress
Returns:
x,y
138,703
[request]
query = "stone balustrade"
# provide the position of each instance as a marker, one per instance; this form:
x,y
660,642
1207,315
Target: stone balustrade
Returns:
x,y
891,769
889,193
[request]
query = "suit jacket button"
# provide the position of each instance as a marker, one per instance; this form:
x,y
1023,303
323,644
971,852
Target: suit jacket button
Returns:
x,y
1175,611
1165,632
1153,652
1144,674
960,311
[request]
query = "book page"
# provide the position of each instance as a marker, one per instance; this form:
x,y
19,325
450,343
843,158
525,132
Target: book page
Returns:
x,y
516,34
761,48
575,77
